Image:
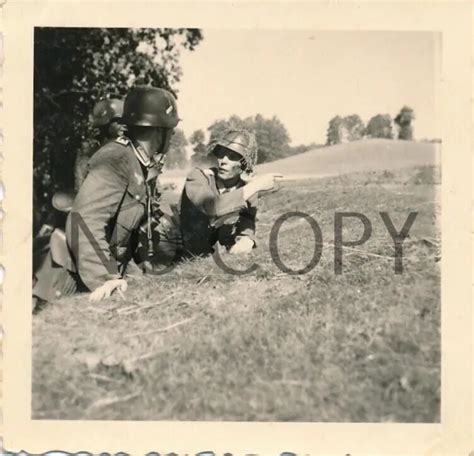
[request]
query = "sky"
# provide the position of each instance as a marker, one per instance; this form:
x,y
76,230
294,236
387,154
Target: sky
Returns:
x,y
307,77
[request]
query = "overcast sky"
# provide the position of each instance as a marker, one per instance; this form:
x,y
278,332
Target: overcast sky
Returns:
x,y
306,78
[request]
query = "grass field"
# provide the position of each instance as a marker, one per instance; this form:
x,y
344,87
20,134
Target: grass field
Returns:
x,y
200,344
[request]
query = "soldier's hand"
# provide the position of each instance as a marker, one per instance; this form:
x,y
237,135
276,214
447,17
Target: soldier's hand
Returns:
x,y
243,245
105,290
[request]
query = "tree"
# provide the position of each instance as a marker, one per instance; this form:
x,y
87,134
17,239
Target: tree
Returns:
x,y
197,140
355,127
380,126
404,120
200,156
272,138
73,68
176,156
344,129
333,131
218,128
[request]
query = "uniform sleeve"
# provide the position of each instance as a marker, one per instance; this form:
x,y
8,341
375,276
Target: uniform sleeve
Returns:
x,y
94,207
247,221
199,192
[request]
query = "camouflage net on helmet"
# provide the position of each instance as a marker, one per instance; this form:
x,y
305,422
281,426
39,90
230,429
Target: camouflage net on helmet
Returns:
x,y
246,145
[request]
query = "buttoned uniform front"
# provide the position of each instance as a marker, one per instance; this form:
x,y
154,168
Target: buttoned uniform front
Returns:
x,y
111,203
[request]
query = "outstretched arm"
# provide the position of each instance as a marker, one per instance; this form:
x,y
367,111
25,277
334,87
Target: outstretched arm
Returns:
x,y
199,192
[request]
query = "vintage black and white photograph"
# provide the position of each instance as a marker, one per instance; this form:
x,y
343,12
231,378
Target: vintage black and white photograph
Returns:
x,y
236,225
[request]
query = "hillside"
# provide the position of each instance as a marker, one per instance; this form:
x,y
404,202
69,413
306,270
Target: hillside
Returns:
x,y
364,155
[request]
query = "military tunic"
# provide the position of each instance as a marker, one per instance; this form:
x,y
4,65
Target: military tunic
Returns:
x,y
208,216
106,214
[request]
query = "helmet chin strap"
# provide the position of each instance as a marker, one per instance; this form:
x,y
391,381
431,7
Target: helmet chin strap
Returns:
x,y
153,158
165,140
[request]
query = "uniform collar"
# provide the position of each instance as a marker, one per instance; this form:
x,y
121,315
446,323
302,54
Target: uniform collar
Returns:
x,y
142,156
151,166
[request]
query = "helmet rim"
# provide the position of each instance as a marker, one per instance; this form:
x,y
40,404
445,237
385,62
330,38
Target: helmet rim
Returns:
x,y
247,149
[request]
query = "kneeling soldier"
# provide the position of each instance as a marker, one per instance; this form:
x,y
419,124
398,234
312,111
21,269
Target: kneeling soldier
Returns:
x,y
112,201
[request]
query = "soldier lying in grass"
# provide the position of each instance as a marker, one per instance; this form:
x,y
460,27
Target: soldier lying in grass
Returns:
x,y
218,206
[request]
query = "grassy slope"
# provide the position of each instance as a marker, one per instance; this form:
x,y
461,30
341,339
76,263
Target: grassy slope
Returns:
x,y
362,346
364,155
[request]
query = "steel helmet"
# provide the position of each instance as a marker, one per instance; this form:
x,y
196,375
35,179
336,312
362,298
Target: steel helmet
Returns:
x,y
150,107
241,141
105,111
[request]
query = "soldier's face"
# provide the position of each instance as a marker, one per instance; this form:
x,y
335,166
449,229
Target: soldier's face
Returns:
x,y
229,164
160,140
167,134
153,140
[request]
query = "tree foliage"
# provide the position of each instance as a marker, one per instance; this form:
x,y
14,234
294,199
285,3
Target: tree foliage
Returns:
x,y
380,126
177,156
355,127
333,131
75,67
344,129
218,128
273,138
197,140
200,155
404,120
